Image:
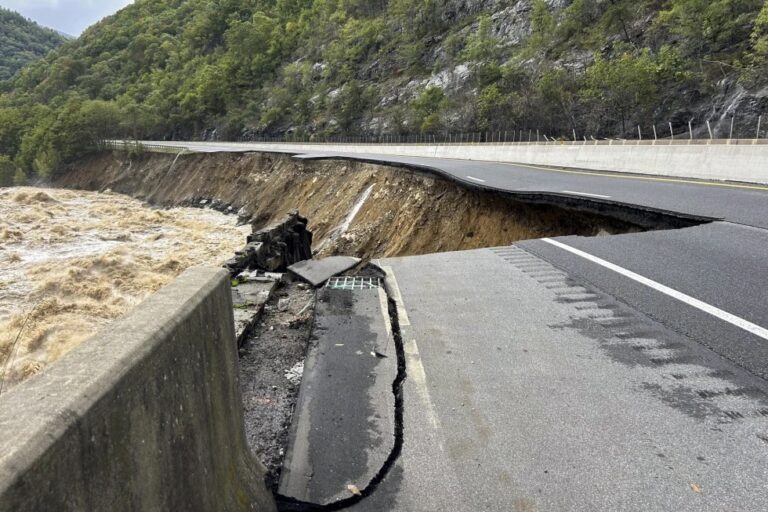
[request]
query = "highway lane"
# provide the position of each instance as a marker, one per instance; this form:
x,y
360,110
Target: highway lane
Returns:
x,y
724,264
541,378
735,202
530,390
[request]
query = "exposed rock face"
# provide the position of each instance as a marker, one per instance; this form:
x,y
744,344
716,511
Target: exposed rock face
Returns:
x,y
511,21
455,10
513,24
733,100
276,247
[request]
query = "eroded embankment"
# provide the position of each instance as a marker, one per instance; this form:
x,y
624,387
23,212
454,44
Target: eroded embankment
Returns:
x,y
354,208
71,261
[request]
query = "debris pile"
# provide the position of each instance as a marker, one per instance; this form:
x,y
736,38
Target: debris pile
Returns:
x,y
276,247
271,370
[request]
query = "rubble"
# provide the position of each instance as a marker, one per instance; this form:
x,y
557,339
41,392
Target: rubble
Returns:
x,y
276,247
271,369
295,374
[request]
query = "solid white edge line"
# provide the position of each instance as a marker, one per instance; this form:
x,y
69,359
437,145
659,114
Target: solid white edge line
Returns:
x,y
687,299
395,288
585,194
475,179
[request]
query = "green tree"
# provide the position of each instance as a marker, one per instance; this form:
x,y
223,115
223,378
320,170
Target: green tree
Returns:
x,y
543,25
427,108
23,41
758,56
559,92
7,171
60,136
482,45
621,89
352,102
710,26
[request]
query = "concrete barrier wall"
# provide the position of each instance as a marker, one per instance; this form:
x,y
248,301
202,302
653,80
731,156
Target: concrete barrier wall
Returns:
x,y
744,161
145,415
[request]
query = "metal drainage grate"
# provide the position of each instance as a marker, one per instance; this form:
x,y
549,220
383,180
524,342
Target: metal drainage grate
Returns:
x,y
353,283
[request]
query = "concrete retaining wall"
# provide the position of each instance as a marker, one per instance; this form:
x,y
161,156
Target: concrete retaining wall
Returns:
x,y
145,415
744,161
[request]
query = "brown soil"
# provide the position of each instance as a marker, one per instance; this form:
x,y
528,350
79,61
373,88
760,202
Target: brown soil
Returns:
x,y
407,213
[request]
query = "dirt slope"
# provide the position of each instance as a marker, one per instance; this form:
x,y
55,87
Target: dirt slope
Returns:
x,y
405,213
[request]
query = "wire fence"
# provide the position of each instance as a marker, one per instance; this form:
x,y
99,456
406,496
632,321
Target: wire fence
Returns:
x,y
669,132
693,134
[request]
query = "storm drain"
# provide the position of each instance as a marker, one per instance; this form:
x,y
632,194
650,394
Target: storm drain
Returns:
x,y
353,283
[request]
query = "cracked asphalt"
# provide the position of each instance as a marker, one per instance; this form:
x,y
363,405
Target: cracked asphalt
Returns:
x,y
608,373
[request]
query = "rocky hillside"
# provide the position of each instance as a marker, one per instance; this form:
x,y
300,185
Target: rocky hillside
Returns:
x,y
23,41
234,69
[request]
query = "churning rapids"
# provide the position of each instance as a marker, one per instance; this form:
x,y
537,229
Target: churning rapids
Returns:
x,y
71,261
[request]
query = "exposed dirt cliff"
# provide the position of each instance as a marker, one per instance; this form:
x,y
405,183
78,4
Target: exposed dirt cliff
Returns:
x,y
353,208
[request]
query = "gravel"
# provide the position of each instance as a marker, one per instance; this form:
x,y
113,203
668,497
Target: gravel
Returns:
x,y
271,367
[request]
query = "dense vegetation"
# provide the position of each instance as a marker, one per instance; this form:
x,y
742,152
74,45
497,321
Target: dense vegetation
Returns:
x,y
23,41
315,68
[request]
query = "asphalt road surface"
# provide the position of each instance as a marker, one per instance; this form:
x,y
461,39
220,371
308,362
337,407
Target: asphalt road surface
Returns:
x,y
529,389
609,373
739,203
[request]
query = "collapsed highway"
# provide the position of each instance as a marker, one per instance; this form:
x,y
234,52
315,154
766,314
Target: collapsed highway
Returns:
x,y
616,372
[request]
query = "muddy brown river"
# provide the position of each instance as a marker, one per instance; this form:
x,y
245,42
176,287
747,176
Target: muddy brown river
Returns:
x,y
72,261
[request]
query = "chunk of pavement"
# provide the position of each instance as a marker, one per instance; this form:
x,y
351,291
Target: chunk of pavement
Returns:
x,y
317,272
294,374
248,300
343,428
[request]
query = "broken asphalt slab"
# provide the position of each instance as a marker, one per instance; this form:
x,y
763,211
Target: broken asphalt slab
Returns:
x,y
248,299
343,427
317,272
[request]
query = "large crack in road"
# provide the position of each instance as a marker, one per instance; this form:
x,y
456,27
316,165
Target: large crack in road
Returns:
x,y
290,504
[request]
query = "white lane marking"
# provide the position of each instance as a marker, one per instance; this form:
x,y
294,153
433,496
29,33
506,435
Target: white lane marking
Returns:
x,y
402,314
687,299
585,194
383,303
418,376
475,179
416,373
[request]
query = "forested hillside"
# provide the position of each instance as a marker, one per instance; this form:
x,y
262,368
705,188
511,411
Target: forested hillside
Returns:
x,y
240,69
23,41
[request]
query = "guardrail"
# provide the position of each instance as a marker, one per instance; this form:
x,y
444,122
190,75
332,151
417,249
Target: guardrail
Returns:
x,y
146,415
739,160
612,142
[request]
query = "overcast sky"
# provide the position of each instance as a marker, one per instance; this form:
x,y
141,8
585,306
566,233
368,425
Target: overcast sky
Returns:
x,y
68,16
